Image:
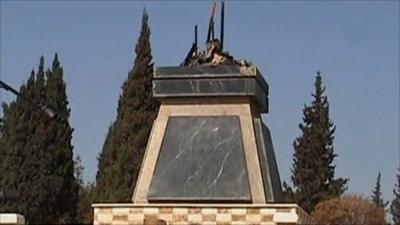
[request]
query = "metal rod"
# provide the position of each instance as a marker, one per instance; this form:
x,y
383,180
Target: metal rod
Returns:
x,y
212,31
195,40
211,24
8,88
43,108
222,25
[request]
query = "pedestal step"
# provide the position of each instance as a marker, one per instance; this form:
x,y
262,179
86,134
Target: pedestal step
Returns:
x,y
191,214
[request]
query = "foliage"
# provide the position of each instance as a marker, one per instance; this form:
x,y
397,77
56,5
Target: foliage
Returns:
x,y
287,193
1,126
313,170
84,206
123,150
395,205
85,197
376,196
348,210
37,151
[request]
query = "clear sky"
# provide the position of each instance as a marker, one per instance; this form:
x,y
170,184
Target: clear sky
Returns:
x,y
354,44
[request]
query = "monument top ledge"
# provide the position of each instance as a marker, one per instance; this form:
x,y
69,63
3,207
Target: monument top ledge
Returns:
x,y
206,70
223,80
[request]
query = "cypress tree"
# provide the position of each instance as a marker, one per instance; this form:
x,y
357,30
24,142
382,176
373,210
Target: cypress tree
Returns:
x,y
123,150
376,196
38,152
395,205
59,138
16,155
312,169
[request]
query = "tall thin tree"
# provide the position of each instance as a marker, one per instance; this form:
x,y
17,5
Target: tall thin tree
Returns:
x,y
313,169
376,196
59,137
17,158
123,150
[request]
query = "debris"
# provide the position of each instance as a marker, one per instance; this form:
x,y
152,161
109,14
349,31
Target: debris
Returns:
x,y
213,54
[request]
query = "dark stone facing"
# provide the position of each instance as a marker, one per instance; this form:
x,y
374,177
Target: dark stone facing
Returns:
x,y
211,81
192,87
217,87
169,71
269,167
201,159
218,70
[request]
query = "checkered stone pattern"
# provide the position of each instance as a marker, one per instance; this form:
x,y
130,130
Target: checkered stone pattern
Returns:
x,y
193,215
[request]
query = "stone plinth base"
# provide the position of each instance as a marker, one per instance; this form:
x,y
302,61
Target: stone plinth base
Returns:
x,y
268,214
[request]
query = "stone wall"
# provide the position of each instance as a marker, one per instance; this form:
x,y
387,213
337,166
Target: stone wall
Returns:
x,y
266,214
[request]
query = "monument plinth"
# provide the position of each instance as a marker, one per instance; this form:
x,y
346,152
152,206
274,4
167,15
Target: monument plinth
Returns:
x,y
209,158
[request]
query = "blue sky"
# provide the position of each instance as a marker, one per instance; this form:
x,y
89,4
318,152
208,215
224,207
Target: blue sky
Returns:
x,y
354,44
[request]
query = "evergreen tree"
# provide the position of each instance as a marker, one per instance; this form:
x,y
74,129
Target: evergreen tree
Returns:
x,y
313,170
123,150
14,154
376,196
37,152
59,144
395,206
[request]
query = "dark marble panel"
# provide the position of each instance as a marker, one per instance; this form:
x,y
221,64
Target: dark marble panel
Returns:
x,y
231,70
219,71
201,159
194,87
269,167
200,86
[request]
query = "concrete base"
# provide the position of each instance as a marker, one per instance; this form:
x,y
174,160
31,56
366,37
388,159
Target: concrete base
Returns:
x,y
191,214
11,219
